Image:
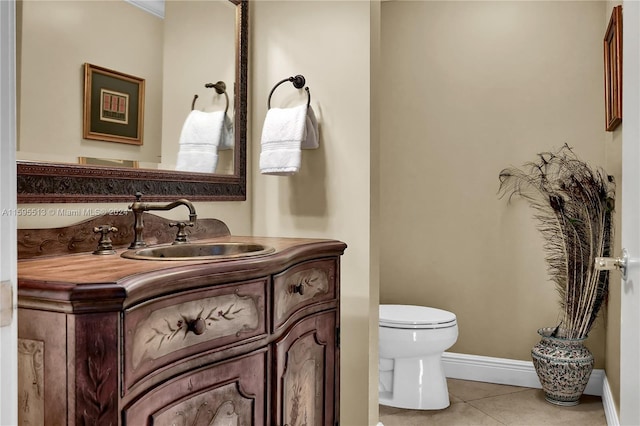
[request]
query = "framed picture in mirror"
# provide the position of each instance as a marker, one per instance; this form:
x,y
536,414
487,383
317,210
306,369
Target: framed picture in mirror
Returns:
x,y
109,162
613,70
113,106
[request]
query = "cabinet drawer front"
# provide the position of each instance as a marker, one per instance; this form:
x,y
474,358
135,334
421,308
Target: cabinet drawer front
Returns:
x,y
232,392
303,285
168,329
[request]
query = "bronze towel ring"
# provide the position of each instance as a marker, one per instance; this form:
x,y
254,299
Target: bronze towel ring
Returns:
x,y
298,82
220,88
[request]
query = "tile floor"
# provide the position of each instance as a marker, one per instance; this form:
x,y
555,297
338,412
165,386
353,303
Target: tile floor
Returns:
x,y
478,403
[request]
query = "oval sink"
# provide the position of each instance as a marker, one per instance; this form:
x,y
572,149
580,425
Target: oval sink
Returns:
x,y
197,251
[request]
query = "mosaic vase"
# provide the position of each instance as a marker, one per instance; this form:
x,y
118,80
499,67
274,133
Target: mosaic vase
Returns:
x,y
563,366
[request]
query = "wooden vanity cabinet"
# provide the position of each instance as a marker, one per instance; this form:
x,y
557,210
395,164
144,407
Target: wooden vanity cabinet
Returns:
x,y
245,342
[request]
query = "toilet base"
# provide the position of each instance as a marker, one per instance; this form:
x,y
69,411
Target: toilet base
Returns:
x,y
418,384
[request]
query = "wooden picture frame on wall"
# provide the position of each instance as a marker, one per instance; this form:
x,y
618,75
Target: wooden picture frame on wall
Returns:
x,y
613,70
113,106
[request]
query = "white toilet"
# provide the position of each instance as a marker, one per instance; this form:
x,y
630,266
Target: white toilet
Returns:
x,y
412,340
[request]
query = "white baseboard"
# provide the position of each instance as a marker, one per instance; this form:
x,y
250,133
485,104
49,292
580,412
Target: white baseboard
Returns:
x,y
504,371
610,411
521,373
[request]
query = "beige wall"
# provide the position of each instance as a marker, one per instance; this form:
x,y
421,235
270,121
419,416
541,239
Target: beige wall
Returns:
x,y
327,42
474,87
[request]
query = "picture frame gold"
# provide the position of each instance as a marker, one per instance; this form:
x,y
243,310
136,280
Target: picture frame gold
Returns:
x,y
108,162
113,106
613,70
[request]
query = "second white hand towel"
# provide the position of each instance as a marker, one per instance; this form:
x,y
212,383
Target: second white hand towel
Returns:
x,y
282,135
199,140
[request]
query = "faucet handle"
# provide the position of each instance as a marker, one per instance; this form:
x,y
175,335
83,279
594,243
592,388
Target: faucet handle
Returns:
x,y
135,206
181,237
104,245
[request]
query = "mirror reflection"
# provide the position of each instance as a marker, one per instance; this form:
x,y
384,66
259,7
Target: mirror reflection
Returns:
x,y
176,56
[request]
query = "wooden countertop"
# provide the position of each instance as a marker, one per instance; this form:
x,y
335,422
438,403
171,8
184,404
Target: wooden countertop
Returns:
x,y
88,282
58,271
90,268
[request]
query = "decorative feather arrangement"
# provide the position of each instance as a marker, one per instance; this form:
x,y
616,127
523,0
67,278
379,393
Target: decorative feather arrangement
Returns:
x,y
573,206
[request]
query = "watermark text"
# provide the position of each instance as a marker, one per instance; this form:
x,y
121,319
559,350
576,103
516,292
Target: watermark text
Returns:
x,y
61,211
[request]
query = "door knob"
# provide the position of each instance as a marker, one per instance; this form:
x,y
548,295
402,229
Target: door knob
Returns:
x,y
611,263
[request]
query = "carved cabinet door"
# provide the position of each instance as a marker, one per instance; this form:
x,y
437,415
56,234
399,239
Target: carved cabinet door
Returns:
x,y
227,393
306,373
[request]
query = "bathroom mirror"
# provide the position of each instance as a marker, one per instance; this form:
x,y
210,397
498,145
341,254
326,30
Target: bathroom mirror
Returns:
x,y
41,181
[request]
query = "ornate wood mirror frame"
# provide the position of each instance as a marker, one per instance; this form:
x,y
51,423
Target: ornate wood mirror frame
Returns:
x,y
76,183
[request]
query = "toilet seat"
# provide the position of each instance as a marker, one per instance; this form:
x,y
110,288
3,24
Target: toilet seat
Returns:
x,y
415,317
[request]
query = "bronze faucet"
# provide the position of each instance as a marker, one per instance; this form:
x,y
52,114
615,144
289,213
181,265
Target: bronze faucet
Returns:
x,y
138,208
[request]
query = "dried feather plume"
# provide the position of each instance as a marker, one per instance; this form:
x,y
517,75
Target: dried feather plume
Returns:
x,y
573,206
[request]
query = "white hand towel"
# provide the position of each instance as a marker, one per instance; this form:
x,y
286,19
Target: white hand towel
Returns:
x,y
311,131
282,135
201,158
199,140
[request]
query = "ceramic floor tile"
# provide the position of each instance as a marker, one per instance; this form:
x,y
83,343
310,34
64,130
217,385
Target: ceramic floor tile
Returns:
x,y
454,399
385,410
467,390
459,414
491,404
530,408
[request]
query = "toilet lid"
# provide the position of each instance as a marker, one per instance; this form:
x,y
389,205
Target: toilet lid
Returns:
x,y
412,316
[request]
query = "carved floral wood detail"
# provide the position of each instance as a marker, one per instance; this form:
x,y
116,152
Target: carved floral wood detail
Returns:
x,y
315,282
50,183
223,406
186,324
197,326
80,237
97,397
30,382
303,382
95,384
